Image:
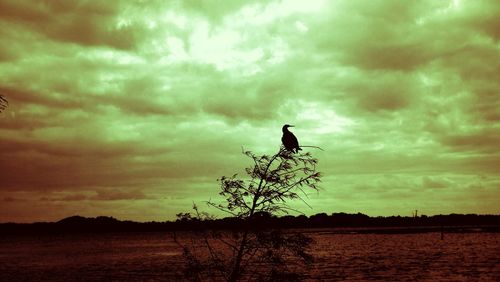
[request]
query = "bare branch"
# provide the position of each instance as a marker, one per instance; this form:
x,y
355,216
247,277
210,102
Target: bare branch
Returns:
x,y
3,103
271,181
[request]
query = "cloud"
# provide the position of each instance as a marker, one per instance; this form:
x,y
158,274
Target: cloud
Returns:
x,y
435,182
79,22
482,142
120,108
10,199
118,195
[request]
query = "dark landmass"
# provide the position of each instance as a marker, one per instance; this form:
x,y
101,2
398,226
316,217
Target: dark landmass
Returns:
x,y
337,222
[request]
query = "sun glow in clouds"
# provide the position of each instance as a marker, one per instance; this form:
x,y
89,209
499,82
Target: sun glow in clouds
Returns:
x,y
322,120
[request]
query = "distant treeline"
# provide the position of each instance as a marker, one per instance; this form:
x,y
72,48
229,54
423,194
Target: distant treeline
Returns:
x,y
342,221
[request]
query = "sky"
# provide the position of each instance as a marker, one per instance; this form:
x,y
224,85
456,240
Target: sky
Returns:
x,y
134,109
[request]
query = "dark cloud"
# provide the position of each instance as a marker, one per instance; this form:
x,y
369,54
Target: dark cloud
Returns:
x,y
371,36
65,198
480,142
484,104
10,199
126,108
480,16
79,22
20,95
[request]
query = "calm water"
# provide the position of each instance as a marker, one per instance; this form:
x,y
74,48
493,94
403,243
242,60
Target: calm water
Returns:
x,y
338,257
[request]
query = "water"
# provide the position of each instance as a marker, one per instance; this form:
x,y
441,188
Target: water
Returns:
x,y
338,257
408,257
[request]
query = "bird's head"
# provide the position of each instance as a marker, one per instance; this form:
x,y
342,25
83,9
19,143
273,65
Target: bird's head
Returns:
x,y
286,126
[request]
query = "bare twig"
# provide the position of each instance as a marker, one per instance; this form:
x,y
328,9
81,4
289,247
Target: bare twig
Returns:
x,y
316,147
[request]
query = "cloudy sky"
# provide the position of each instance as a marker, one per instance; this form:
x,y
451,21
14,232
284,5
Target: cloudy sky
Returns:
x,y
133,109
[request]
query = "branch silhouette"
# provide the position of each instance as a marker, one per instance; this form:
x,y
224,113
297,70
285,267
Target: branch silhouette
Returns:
x,y
3,103
250,251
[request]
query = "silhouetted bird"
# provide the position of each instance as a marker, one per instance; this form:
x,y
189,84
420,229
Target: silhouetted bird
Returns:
x,y
289,140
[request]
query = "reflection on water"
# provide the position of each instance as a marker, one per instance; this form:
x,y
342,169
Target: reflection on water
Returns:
x,y
356,257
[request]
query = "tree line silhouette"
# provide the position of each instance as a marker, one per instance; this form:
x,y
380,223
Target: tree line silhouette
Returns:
x,y
360,222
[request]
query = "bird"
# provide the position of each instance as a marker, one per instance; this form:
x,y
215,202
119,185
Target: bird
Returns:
x,y
289,140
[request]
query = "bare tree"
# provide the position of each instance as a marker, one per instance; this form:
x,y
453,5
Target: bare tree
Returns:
x,y
250,252
3,103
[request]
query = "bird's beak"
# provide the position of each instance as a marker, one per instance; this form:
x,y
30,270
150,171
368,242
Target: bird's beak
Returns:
x,y
291,126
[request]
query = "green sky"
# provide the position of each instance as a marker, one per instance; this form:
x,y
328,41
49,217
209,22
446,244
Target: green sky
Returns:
x,y
133,109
